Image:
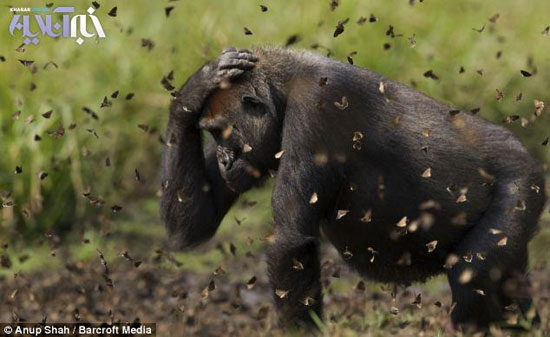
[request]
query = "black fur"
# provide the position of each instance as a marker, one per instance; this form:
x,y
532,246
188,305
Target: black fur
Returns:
x,y
360,144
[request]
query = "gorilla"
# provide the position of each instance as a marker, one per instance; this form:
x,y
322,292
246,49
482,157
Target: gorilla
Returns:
x,y
404,186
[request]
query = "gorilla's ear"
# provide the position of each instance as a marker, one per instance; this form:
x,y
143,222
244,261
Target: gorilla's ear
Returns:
x,y
251,99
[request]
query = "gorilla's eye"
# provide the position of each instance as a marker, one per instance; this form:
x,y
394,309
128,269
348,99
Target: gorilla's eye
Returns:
x,y
250,99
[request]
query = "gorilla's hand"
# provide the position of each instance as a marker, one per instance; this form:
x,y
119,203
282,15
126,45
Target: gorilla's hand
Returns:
x,y
231,64
234,62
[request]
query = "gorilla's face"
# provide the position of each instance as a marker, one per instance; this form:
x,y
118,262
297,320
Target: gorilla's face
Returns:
x,y
246,126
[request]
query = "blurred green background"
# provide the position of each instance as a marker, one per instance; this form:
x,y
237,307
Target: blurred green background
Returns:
x,y
432,35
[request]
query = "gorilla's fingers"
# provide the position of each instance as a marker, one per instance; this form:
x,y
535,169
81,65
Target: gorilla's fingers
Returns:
x,y
248,56
239,55
230,73
244,51
228,50
235,63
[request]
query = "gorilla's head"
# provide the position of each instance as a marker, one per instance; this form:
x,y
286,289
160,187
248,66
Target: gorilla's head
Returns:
x,y
245,118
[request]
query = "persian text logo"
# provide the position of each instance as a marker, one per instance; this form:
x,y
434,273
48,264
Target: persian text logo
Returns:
x,y
70,26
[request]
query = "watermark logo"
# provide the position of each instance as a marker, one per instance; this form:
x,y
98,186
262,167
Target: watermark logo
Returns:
x,y
72,26
8,330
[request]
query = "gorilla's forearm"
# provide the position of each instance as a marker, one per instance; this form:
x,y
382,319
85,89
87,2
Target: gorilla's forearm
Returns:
x,y
195,197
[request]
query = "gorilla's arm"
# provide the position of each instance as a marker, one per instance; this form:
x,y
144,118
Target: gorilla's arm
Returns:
x,y
195,198
294,266
304,192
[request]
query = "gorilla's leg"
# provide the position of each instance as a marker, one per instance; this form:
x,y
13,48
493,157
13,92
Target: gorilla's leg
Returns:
x,y
488,287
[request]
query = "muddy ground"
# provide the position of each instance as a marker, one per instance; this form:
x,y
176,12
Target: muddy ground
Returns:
x,y
232,299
